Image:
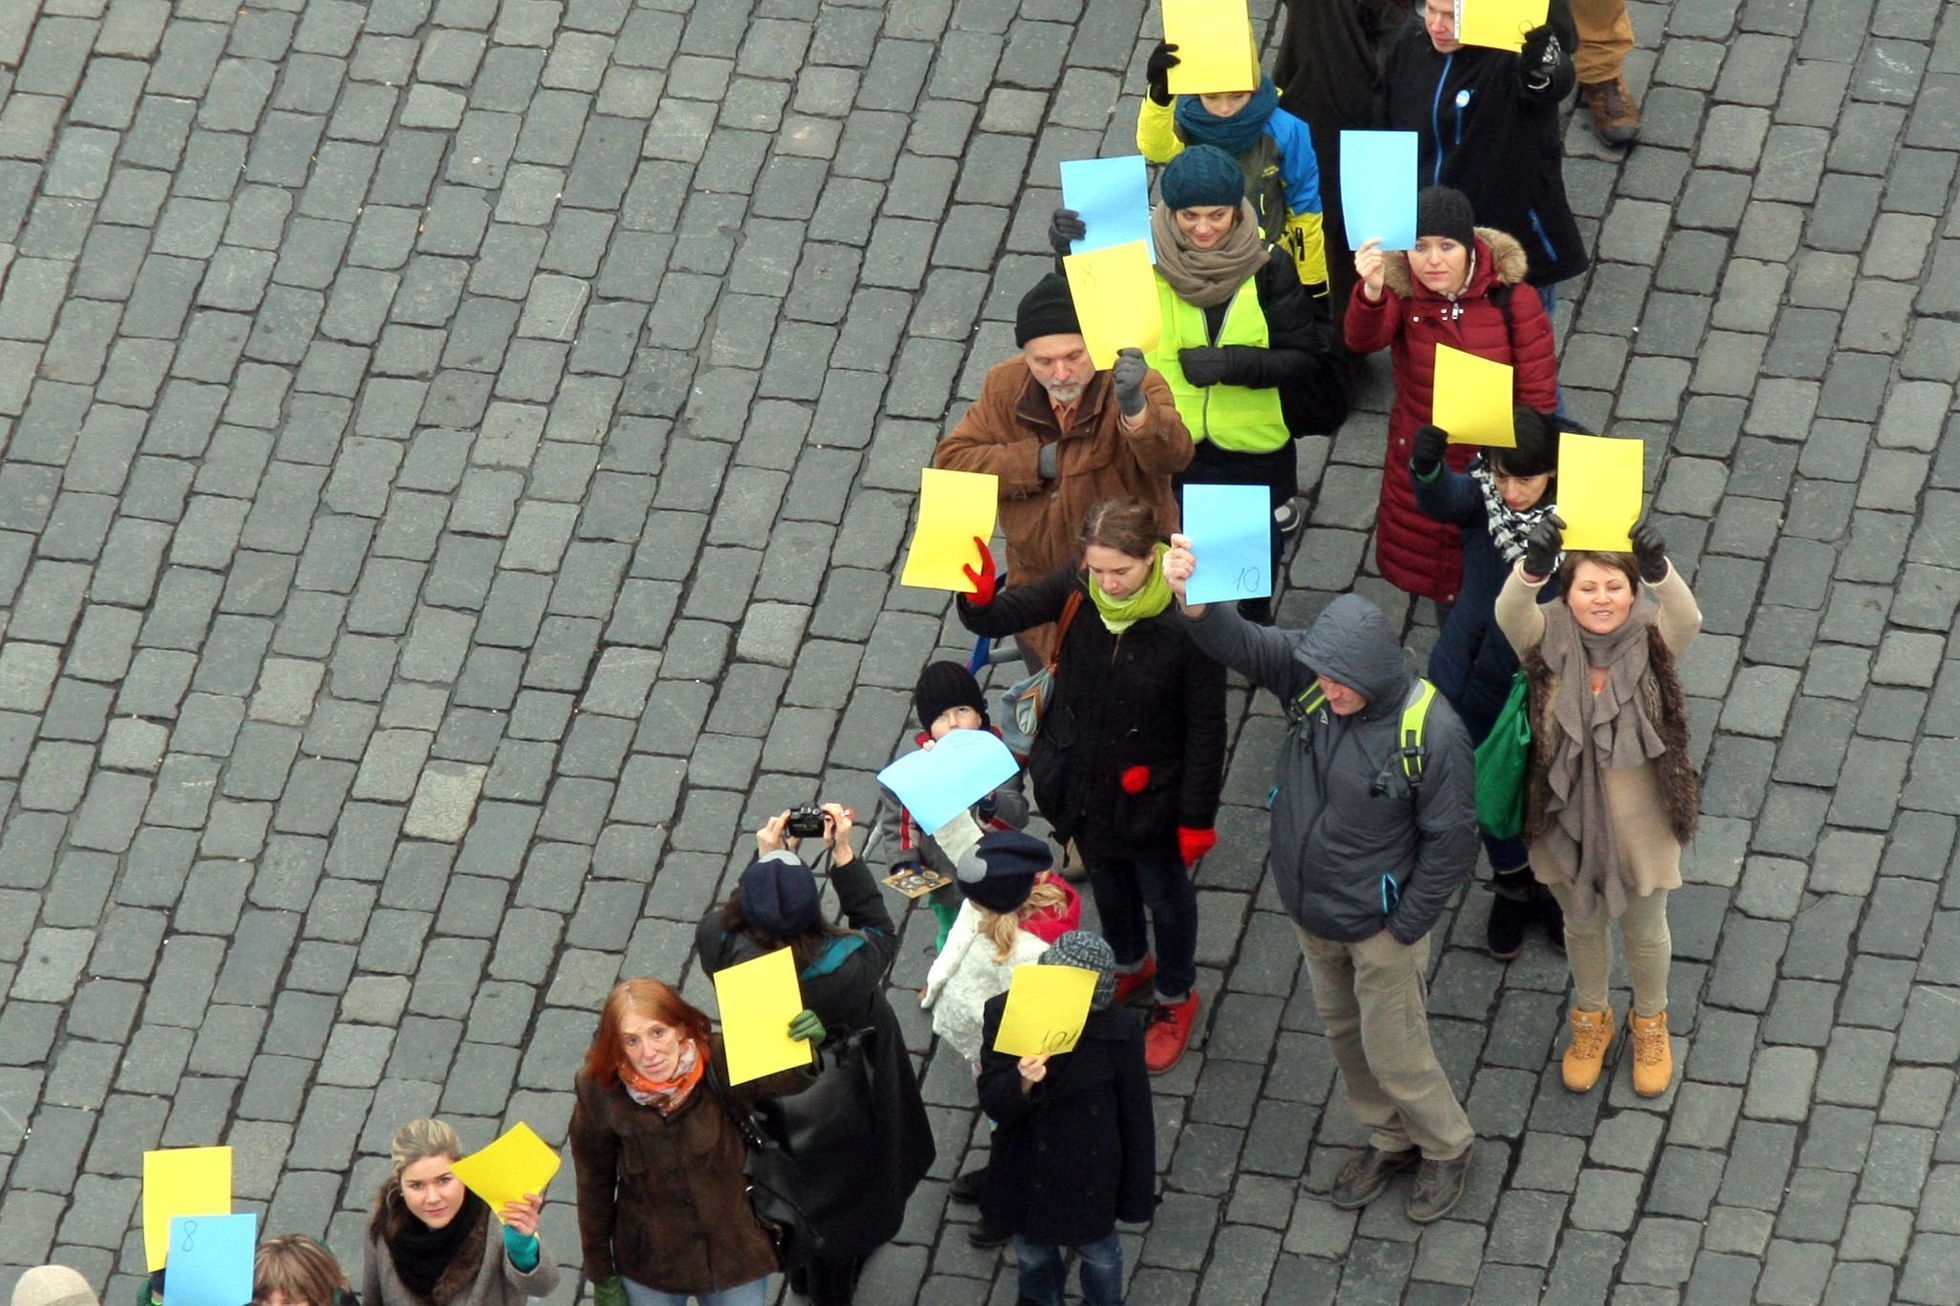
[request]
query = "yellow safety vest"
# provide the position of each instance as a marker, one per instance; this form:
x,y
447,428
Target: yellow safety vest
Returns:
x,y
1234,417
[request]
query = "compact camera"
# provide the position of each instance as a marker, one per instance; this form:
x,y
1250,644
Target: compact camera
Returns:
x,y
806,823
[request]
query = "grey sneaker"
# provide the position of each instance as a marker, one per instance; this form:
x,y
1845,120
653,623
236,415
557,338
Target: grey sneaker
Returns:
x,y
1367,1172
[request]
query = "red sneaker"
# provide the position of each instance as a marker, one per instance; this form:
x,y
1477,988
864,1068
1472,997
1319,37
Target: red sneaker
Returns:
x,y
1137,981
1168,1031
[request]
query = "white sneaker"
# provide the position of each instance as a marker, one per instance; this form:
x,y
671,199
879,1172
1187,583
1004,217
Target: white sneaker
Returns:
x,y
1287,517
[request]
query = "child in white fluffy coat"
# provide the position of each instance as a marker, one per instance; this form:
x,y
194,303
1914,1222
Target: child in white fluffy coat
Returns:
x,y
1010,915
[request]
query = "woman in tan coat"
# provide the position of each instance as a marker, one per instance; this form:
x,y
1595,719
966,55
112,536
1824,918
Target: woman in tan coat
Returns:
x,y
1611,793
663,1210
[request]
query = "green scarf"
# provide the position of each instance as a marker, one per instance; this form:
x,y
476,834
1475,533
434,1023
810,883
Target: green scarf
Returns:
x,y
1154,596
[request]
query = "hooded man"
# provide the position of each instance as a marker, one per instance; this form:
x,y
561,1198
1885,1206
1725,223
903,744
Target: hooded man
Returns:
x,y
1372,831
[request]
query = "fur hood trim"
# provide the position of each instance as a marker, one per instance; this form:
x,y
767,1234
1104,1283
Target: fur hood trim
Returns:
x,y
1494,249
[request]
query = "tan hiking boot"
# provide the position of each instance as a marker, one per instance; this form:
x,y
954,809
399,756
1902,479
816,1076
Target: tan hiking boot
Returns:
x,y
1592,1034
1653,1055
1615,113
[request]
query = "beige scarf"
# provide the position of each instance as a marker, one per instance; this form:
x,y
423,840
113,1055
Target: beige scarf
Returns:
x,y
1607,731
1208,277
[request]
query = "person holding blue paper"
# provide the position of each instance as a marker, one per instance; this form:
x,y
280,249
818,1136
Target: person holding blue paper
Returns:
x,y
1252,361
433,1242
947,698
1273,149
1129,761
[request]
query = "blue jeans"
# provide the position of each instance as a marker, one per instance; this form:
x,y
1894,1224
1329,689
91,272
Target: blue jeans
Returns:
x,y
1043,1274
1548,296
1123,890
753,1293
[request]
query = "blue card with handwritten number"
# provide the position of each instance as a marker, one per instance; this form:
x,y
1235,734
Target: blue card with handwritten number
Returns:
x,y
938,783
1231,530
1113,198
211,1259
1378,188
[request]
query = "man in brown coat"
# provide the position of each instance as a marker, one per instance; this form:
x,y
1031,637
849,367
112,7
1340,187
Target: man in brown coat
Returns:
x,y
1062,437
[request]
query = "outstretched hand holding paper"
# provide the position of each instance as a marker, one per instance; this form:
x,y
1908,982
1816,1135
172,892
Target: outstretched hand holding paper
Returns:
x,y
1230,527
516,1166
1046,1009
1600,487
954,509
938,783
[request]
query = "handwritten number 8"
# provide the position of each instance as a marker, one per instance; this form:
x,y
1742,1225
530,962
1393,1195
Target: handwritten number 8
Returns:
x,y
190,1230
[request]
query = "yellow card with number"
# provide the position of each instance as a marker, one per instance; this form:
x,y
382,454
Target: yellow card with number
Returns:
x,y
510,1169
181,1181
1600,481
955,508
1499,24
1115,294
758,1000
1046,1009
1472,399
1214,46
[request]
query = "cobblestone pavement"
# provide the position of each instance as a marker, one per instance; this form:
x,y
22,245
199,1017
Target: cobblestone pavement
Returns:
x,y
455,456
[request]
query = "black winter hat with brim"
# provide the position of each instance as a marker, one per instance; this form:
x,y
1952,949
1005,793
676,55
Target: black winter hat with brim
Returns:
x,y
1013,860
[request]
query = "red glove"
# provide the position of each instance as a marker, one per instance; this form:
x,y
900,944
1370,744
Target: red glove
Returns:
x,y
983,579
1193,844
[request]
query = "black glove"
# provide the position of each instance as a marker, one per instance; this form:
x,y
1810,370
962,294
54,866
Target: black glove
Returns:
x,y
1158,71
1202,365
1538,60
1542,546
1650,552
1065,226
1129,372
1427,455
1048,462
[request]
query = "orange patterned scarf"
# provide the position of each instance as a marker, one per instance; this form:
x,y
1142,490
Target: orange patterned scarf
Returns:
x,y
666,1095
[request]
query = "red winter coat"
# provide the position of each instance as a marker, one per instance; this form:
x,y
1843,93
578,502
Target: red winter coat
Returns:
x,y
1414,552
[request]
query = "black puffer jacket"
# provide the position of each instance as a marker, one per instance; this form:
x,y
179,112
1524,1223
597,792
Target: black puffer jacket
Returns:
x,y
1480,128
1079,1152
1145,705
1345,817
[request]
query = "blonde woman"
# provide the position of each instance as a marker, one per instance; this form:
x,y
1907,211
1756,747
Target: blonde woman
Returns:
x,y
433,1242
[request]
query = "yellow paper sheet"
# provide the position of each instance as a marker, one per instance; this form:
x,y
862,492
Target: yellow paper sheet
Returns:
x,y
758,1000
1472,399
1214,46
181,1181
955,508
1498,24
510,1169
1046,1007
1599,490
1115,294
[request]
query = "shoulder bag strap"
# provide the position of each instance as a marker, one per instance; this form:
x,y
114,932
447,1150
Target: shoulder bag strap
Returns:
x,y
1061,627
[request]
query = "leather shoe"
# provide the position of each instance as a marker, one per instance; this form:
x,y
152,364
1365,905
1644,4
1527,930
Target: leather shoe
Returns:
x,y
967,1188
1438,1188
1367,1172
982,1234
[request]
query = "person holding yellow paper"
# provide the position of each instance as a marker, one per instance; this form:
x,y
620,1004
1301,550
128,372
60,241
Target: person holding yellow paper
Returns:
x,y
663,1208
1273,149
433,1242
841,975
1253,361
1457,287
1061,436
1611,793
1075,1142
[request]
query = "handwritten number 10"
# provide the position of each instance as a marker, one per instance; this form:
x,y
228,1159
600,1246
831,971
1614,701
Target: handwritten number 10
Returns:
x,y
1248,580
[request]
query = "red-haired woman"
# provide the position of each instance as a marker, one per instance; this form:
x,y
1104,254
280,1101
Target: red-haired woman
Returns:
x,y
662,1210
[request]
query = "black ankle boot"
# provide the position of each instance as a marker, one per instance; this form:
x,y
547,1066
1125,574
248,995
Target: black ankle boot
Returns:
x,y
1545,910
1510,912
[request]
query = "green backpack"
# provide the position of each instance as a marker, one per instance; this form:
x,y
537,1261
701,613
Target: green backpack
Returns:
x,y
1502,762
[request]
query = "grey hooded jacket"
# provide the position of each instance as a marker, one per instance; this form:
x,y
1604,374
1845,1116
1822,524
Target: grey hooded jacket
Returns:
x,y
1344,815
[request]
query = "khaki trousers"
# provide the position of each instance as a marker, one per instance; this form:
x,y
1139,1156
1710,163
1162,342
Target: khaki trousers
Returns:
x,y
1605,36
1589,950
1371,999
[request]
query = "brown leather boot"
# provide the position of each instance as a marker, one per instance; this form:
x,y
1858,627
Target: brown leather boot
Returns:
x,y
1653,1055
1438,1188
1367,1172
1592,1034
1615,113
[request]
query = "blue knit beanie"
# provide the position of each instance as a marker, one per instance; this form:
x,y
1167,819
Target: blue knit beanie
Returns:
x,y
1202,176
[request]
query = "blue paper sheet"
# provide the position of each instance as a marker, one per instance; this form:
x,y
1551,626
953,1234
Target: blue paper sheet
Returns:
x,y
1113,198
940,782
1378,188
211,1259
1231,530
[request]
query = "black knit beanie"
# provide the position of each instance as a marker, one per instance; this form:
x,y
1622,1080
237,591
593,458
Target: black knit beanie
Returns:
x,y
1046,310
944,685
1446,211
1202,176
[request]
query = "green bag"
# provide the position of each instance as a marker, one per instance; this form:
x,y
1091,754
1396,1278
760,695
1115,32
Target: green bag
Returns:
x,y
1502,762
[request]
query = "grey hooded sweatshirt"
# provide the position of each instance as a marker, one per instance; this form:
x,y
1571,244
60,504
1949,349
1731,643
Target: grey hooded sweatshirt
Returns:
x,y
1344,816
